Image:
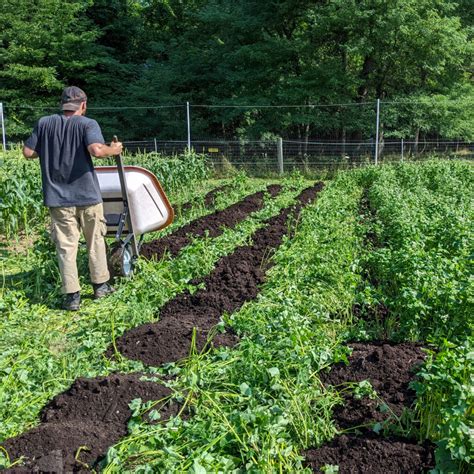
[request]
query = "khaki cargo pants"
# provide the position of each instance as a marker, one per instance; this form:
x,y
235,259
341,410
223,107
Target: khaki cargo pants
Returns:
x,y
66,226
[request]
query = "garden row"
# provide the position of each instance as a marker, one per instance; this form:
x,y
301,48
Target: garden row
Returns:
x,y
351,287
173,337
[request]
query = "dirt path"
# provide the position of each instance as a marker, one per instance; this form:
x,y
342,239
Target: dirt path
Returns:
x,y
212,224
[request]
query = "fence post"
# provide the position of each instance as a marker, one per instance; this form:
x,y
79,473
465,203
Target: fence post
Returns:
x,y
280,154
156,145
188,120
4,138
402,149
377,126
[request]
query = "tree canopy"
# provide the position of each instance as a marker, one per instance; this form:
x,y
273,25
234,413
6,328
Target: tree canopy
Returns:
x,y
415,55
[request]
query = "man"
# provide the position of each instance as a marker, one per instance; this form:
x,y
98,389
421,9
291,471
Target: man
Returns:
x,y
64,144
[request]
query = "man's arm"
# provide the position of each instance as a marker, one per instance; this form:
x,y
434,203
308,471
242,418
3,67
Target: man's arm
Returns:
x,y
29,153
100,150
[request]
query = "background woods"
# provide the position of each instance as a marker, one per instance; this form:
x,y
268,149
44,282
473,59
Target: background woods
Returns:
x,y
415,55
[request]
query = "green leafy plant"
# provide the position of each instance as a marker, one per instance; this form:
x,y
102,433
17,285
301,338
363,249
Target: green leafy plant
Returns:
x,y
445,404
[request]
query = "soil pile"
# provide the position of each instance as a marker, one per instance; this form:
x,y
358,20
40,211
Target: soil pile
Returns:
x,y
389,368
211,224
371,454
79,425
235,280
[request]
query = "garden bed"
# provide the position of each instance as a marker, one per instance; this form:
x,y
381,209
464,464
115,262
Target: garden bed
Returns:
x,y
100,407
234,280
211,225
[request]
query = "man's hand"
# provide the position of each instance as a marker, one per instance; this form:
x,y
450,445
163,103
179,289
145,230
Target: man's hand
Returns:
x,y
100,150
117,146
29,153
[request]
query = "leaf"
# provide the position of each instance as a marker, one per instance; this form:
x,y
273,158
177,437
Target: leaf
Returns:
x,y
245,389
198,468
154,415
274,371
377,428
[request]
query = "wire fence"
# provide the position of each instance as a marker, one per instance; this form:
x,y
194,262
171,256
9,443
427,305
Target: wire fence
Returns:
x,y
211,129
279,156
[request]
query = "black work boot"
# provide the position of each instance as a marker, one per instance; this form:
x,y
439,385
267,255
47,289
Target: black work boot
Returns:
x,y
72,301
102,289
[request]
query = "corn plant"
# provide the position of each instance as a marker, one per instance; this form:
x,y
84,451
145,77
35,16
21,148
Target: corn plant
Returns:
x,y
21,205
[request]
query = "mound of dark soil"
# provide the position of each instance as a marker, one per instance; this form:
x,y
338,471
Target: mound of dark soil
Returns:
x,y
212,224
208,200
235,280
91,416
389,368
372,454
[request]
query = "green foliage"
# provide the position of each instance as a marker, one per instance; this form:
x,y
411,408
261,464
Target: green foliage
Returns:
x,y
445,404
175,173
422,267
134,53
46,45
21,193
21,202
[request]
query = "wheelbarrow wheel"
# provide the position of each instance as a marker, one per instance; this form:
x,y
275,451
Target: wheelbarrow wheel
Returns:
x,y
121,260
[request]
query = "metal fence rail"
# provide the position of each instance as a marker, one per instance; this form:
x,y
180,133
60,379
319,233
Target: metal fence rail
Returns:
x,y
287,155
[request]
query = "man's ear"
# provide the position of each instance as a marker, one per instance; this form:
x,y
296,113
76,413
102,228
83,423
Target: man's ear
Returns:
x,y
83,108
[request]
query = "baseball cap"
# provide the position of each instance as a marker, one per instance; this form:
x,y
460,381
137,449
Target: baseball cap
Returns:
x,y
72,97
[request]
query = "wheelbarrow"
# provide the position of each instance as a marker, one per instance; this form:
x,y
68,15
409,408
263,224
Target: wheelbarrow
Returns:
x,y
134,204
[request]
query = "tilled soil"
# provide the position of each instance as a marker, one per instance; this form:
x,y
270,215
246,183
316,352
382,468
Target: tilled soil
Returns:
x,y
235,280
208,200
212,224
92,414
372,454
389,368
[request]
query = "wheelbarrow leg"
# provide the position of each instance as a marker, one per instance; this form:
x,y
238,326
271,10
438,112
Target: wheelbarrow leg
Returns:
x,y
127,216
125,254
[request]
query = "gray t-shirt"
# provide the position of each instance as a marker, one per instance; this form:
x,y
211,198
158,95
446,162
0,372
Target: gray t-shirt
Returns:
x,y
67,171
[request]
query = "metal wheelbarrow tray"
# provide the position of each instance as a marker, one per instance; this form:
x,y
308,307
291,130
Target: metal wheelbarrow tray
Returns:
x,y
134,203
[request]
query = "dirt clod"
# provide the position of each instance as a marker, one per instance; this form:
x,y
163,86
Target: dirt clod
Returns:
x,y
389,368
